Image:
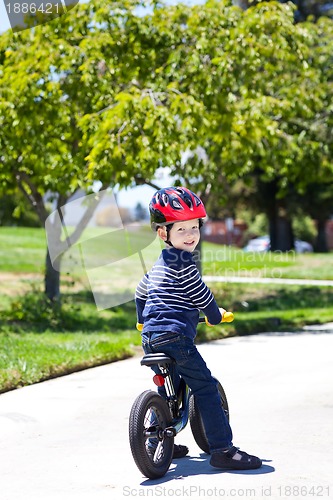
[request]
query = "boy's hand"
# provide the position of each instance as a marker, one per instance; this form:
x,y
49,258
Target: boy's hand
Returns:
x,y
227,317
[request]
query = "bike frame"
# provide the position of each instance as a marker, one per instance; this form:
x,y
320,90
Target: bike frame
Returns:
x,y
178,409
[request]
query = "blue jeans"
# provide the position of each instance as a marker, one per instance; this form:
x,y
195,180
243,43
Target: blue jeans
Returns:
x,y
193,369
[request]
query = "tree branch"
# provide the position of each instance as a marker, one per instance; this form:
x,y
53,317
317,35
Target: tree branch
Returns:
x,y
75,236
140,181
34,197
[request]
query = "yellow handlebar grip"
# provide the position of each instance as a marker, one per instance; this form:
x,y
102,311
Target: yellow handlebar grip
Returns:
x,y
228,317
207,322
139,326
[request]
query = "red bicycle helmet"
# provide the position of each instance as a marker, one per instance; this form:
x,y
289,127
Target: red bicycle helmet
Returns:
x,y
174,204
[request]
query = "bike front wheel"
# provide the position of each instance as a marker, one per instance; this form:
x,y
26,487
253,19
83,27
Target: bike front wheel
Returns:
x,y
151,438
196,423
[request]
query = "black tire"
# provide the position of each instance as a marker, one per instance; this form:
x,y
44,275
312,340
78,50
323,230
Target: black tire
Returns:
x,y
196,423
147,404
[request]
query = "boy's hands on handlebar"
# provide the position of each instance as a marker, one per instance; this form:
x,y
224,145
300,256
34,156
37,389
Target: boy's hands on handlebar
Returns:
x,y
227,317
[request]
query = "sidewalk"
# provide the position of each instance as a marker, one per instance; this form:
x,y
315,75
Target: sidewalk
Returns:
x,y
276,281
67,438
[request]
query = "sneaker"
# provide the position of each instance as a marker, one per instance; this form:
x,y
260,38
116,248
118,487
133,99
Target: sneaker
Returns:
x,y
229,460
179,451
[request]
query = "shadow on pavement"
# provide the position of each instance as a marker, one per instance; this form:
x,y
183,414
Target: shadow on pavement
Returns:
x,y
195,466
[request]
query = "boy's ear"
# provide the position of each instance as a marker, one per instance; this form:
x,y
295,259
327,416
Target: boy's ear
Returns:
x,y
162,233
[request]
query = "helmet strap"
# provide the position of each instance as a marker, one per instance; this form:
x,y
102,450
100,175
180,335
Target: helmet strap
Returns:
x,y
167,241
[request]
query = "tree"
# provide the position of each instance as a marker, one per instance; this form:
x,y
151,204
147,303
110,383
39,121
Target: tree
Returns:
x,y
140,212
78,104
39,139
52,79
106,94
267,97
304,8
15,212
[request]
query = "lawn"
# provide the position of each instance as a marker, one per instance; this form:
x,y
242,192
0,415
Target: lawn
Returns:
x,y
230,262
38,341
23,250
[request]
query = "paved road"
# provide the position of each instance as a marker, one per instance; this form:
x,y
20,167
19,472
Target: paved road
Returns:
x,y
66,439
275,281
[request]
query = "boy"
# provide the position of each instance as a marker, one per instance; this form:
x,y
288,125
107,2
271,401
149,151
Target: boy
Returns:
x,y
168,300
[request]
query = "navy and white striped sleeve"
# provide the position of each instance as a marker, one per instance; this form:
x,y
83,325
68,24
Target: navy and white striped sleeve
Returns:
x,y
200,295
141,296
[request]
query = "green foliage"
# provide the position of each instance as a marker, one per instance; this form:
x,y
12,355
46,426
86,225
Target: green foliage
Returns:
x,y
304,228
257,225
106,94
269,308
15,211
124,94
32,352
77,313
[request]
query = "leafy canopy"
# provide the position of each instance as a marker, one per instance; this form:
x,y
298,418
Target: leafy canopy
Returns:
x,y
111,93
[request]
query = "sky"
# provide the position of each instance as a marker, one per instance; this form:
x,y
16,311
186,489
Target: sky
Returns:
x,y
4,22
143,194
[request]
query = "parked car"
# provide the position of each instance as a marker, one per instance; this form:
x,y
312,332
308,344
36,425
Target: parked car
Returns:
x,y
263,244
303,246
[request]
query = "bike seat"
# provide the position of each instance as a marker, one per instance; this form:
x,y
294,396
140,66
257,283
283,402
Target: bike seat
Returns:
x,y
156,359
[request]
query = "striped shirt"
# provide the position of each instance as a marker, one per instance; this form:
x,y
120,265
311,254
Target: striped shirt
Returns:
x,y
169,297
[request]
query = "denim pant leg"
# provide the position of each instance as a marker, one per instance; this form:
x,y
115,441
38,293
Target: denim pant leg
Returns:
x,y
198,377
192,367
153,346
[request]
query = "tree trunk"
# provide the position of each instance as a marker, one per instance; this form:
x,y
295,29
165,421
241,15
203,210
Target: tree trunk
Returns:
x,y
321,239
281,234
280,227
52,279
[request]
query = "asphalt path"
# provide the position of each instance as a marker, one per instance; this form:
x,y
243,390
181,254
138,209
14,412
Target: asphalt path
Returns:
x,y
67,439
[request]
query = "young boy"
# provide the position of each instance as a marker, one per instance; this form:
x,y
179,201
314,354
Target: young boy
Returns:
x,y
168,300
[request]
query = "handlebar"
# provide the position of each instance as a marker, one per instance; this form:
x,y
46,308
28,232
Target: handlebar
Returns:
x,y
228,317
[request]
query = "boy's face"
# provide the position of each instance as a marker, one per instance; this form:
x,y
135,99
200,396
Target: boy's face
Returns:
x,y
184,235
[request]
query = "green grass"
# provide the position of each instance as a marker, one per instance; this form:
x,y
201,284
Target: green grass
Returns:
x,y
27,358
39,341
226,261
23,250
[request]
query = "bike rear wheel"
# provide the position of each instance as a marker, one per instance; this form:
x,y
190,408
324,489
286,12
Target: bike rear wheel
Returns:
x,y
196,423
151,444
